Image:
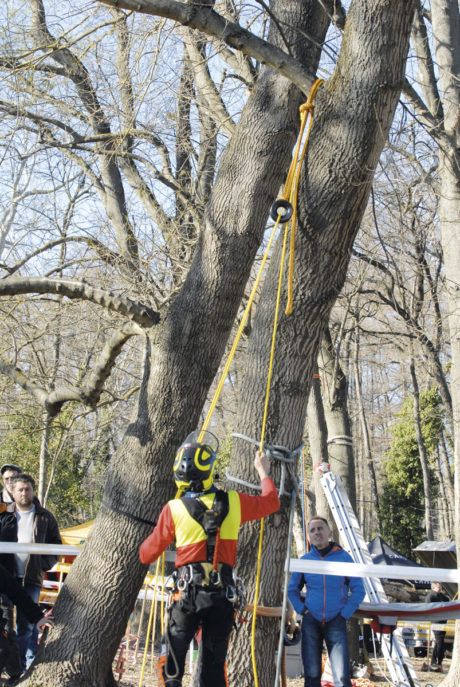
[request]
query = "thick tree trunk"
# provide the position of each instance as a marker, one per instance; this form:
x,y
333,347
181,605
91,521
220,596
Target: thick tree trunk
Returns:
x,y
353,113
181,359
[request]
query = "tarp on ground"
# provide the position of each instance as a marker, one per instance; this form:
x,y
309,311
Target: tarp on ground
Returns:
x,y
384,554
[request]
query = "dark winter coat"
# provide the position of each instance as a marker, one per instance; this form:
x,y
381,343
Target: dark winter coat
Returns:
x,y
46,531
14,591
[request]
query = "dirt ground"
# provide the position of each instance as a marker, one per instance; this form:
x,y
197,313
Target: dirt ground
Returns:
x,y
131,676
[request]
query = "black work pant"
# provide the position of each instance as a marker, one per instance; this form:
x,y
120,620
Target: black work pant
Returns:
x,y
438,649
216,625
9,658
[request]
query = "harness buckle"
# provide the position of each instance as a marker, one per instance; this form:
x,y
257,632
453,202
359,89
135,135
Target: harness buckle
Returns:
x,y
185,579
231,593
215,579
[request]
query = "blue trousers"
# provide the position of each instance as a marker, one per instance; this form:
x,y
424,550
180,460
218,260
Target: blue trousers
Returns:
x,y
334,633
27,632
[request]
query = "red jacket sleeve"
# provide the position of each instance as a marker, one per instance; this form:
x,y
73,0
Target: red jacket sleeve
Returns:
x,y
162,536
257,507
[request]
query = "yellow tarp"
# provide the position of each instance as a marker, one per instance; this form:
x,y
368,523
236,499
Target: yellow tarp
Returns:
x,y
76,535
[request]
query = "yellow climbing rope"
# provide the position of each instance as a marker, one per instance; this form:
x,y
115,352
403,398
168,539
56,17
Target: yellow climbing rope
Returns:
x,y
290,194
153,615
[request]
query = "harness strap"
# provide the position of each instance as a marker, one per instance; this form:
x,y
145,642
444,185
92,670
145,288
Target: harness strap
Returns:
x,y
210,519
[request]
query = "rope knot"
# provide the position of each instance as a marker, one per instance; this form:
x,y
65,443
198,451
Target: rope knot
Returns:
x,y
306,107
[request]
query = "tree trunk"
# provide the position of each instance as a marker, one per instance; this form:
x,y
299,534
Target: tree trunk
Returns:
x,y
365,435
353,113
422,453
448,482
317,440
337,418
43,457
181,359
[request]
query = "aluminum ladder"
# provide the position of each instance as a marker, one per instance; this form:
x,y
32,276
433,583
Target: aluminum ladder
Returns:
x,y
397,658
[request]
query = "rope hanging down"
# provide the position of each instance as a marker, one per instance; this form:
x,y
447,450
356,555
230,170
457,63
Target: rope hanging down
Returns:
x,y
288,204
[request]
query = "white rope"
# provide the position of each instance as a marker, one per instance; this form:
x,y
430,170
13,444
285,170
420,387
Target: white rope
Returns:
x,y
394,572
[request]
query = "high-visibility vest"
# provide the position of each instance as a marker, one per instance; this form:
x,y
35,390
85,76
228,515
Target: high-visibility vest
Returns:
x,y
188,531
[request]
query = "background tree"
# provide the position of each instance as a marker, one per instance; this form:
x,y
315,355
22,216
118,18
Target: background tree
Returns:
x,y
403,496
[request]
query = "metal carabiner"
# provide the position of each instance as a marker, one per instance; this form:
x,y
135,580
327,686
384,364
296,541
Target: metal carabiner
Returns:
x,y
214,578
231,594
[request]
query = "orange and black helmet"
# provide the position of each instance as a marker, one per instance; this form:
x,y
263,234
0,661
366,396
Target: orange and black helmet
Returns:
x,y
194,462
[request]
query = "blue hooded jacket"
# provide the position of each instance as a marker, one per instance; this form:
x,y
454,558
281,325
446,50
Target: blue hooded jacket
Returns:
x,y
326,595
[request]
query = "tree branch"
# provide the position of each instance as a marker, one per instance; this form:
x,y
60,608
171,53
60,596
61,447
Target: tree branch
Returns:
x,y
139,313
104,253
213,24
91,392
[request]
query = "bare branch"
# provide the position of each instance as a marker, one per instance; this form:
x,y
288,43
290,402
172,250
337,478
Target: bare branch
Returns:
x,y
139,313
91,392
206,87
213,24
104,253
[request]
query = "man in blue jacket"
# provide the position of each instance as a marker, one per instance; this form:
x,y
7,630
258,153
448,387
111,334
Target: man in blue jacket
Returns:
x,y
329,601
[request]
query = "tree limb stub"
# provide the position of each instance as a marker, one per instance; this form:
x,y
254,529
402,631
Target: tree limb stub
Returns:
x,y
213,24
142,314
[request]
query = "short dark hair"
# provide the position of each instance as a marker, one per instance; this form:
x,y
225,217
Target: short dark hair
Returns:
x,y
319,517
23,477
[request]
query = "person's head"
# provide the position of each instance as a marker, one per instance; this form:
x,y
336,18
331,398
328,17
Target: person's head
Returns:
x,y
194,463
23,491
8,471
436,587
319,532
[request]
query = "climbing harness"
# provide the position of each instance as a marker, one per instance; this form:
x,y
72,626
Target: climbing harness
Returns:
x,y
209,518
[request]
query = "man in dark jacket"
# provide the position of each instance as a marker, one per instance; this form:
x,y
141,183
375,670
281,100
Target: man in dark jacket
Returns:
x,y
33,524
330,601
11,588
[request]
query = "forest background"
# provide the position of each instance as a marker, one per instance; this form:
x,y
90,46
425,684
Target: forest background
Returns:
x,y
113,126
